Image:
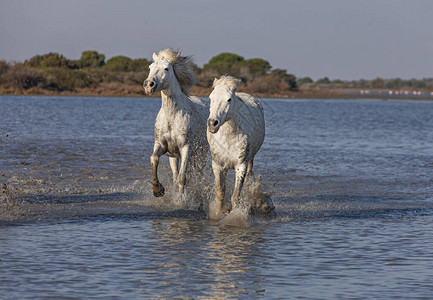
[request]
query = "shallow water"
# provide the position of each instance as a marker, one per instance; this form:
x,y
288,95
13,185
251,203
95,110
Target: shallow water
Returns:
x,y
351,180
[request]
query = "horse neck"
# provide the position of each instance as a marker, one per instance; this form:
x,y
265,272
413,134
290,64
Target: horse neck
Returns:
x,y
173,99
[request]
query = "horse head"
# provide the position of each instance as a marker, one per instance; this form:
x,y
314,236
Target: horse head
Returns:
x,y
222,101
159,72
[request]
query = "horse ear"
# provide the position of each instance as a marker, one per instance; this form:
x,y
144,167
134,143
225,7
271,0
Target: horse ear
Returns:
x,y
154,56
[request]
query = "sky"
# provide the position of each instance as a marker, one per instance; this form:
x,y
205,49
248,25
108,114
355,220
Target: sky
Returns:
x,y
338,39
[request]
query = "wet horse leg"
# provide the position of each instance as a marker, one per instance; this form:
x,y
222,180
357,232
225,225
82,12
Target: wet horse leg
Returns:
x,y
240,177
220,182
158,188
249,177
174,164
185,155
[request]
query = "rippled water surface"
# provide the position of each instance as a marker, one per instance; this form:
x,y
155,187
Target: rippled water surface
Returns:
x,y
351,180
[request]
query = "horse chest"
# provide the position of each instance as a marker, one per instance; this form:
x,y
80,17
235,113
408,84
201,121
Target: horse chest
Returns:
x,y
172,132
227,148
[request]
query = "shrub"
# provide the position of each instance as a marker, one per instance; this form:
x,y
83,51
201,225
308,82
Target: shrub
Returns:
x,y
66,80
139,65
4,66
91,59
225,63
287,80
118,64
257,66
304,80
324,80
50,60
23,77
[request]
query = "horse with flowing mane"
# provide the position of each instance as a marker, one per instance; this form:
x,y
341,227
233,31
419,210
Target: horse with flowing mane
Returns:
x,y
180,126
236,130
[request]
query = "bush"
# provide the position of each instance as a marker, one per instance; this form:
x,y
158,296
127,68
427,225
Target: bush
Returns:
x,y
288,81
23,77
66,80
206,77
91,59
324,80
139,65
4,66
257,66
119,64
50,60
304,80
225,63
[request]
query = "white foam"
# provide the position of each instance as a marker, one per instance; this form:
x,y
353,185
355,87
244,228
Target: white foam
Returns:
x,y
238,217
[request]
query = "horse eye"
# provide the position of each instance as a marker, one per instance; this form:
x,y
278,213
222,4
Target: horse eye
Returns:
x,y
229,100
166,69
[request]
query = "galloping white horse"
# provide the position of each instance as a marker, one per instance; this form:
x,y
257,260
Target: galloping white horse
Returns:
x,y
236,130
181,122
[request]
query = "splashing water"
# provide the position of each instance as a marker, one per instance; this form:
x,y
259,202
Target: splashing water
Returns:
x,y
238,217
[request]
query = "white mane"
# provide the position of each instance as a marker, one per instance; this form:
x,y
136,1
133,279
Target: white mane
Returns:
x,y
182,66
232,82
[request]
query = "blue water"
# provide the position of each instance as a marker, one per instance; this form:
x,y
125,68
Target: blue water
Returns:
x,y
351,180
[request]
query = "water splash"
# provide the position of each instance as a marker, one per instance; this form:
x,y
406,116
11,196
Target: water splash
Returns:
x,y
238,217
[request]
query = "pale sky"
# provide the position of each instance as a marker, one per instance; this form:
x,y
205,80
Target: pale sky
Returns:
x,y
340,39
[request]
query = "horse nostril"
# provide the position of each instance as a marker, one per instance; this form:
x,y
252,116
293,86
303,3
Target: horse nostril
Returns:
x,y
152,84
215,123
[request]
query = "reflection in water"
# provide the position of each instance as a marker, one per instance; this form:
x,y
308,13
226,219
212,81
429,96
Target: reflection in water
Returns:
x,y
214,262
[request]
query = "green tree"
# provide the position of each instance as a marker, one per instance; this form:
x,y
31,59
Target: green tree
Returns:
x,y
304,80
91,59
225,63
377,83
49,60
324,80
119,64
287,79
257,66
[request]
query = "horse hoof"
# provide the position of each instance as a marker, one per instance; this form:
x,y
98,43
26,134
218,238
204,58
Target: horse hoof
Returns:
x,y
158,191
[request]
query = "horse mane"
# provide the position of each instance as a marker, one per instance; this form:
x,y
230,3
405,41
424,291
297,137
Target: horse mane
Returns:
x,y
232,82
182,67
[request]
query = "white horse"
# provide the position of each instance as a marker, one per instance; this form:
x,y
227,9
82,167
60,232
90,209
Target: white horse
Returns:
x,y
181,122
236,130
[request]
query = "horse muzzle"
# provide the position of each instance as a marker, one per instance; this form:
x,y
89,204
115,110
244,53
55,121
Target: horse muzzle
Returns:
x,y
213,125
149,87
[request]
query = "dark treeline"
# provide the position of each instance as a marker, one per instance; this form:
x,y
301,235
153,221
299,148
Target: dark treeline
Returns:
x,y
56,73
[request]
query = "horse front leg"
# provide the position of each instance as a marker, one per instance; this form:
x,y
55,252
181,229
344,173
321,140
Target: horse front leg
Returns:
x,y
185,155
220,186
250,168
240,177
174,164
249,177
158,188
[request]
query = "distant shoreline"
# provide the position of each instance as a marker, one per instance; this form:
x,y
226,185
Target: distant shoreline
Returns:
x,y
137,91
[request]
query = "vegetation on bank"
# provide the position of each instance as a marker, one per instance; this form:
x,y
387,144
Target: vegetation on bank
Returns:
x,y
92,74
